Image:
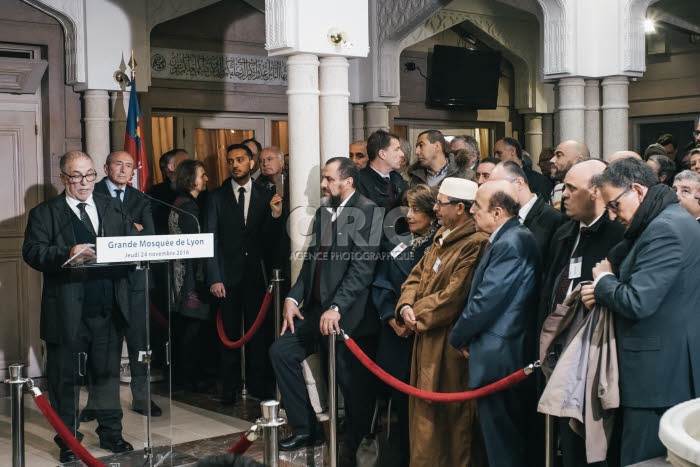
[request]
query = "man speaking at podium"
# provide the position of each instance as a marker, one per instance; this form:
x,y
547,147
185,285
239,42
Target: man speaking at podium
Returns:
x,y
84,311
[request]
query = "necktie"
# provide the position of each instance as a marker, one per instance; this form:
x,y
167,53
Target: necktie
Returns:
x,y
85,219
119,194
390,193
325,244
565,281
241,201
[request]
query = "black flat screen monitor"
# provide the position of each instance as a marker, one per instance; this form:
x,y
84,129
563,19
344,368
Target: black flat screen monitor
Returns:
x,y
463,78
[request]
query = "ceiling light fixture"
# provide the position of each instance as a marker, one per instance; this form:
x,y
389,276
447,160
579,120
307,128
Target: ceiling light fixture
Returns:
x,y
649,27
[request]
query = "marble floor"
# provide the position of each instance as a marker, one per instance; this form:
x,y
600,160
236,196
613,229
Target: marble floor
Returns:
x,y
185,422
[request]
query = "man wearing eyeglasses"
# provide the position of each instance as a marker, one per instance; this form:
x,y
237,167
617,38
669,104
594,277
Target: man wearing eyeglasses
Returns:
x,y
83,310
431,299
650,281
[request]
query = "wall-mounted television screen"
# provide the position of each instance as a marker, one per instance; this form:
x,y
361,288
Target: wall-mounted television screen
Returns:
x,y
463,78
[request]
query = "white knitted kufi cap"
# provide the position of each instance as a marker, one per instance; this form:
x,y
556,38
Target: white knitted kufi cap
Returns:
x,y
459,188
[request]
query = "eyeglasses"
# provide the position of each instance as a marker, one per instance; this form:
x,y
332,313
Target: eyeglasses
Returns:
x,y
77,178
614,204
467,204
696,133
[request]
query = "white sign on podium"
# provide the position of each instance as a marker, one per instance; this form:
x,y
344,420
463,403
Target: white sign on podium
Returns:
x,y
154,248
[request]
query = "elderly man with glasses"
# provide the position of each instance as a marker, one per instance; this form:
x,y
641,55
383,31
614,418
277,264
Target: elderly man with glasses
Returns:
x,y
431,299
84,311
649,281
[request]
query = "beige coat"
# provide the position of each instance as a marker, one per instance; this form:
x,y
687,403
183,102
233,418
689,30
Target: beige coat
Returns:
x,y
582,383
442,434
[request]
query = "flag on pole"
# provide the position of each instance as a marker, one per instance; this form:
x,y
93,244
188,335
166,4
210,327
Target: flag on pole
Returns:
x,y
134,144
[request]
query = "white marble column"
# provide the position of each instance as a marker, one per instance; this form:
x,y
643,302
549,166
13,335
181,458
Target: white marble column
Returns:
x,y
377,117
333,103
615,114
533,137
592,118
119,104
571,109
96,120
547,130
358,122
304,151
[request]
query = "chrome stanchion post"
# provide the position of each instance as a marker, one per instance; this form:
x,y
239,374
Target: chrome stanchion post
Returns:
x,y
244,390
277,297
16,383
549,441
332,404
270,423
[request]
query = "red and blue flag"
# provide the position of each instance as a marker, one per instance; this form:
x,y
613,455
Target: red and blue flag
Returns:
x,y
134,144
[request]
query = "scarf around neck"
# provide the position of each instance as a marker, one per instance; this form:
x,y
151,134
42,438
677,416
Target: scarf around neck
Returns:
x,y
657,198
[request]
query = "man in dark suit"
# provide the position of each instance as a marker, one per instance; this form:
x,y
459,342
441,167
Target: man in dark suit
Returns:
x,y
83,310
165,191
379,180
119,168
535,214
650,283
332,290
575,248
244,226
272,177
509,149
496,329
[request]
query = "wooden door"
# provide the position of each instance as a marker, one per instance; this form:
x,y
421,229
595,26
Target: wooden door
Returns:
x,y
21,189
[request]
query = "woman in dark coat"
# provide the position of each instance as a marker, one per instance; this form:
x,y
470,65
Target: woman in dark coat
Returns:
x,y
395,341
190,290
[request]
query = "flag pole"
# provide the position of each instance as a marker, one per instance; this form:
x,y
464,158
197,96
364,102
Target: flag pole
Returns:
x,y
132,65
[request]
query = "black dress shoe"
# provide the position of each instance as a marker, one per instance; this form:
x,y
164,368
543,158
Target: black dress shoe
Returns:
x,y
295,442
66,456
116,445
87,415
155,410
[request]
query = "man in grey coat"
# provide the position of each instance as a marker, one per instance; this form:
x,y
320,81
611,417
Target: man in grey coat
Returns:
x,y
650,281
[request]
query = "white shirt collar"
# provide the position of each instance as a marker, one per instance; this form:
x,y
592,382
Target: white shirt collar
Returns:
x,y
492,237
73,203
111,187
248,186
337,211
381,174
526,208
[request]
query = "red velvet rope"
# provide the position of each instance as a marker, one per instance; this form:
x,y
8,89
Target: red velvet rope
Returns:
x,y
508,381
253,329
241,445
157,316
64,433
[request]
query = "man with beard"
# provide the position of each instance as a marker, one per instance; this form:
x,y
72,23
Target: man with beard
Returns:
x,y
566,155
243,217
331,293
649,281
431,299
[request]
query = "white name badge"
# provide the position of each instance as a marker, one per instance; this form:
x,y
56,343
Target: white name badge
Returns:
x,y
437,265
154,247
398,249
575,267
